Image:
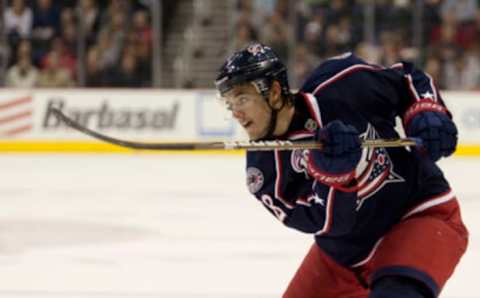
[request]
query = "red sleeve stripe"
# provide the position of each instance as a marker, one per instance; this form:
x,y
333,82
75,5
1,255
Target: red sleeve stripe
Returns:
x,y
397,65
313,108
345,72
278,181
411,87
328,213
297,135
434,88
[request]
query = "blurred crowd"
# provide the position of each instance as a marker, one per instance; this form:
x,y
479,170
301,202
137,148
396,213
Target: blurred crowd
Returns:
x,y
445,40
99,43
45,38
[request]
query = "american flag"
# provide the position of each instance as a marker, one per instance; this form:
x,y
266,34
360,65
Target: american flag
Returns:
x,y
378,173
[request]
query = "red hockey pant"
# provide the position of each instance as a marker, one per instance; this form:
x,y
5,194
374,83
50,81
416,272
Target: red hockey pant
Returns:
x,y
428,244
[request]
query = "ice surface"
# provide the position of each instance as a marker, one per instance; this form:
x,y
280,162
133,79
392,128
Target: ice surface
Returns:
x,y
178,226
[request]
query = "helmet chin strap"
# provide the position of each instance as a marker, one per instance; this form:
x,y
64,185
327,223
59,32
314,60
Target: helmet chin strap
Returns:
x,y
272,125
273,119
264,91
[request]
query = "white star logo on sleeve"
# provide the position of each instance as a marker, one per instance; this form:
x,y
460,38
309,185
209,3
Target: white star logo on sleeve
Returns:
x,y
427,95
316,200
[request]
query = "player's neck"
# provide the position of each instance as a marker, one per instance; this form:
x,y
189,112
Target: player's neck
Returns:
x,y
284,117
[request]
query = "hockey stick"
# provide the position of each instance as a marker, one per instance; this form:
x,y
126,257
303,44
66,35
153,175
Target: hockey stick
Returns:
x,y
246,145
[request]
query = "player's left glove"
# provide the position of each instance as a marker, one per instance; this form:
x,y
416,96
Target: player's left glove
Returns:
x,y
430,122
335,164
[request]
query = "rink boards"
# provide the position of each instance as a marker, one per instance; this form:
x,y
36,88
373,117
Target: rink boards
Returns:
x,y
152,115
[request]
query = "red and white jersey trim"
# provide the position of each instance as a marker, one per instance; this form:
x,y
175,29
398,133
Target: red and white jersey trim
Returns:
x,y
278,179
313,107
328,213
345,72
370,255
443,198
300,135
435,201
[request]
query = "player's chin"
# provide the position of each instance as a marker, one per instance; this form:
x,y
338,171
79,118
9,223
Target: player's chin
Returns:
x,y
255,134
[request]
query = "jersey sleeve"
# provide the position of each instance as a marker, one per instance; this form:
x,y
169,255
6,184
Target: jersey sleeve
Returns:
x,y
378,94
297,200
423,95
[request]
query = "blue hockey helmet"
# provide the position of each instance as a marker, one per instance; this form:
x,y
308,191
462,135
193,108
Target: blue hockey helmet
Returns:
x,y
256,63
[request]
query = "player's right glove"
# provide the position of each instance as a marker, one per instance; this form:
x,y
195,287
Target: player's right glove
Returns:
x,y
335,164
430,122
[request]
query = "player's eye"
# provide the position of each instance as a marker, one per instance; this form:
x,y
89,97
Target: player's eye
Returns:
x,y
242,100
236,103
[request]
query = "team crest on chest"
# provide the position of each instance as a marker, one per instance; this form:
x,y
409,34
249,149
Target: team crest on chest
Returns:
x,y
255,179
375,169
298,160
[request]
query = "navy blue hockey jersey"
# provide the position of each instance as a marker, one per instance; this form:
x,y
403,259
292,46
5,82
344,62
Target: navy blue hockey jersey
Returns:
x,y
392,183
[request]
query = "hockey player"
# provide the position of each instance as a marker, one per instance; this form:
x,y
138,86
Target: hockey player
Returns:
x,y
385,222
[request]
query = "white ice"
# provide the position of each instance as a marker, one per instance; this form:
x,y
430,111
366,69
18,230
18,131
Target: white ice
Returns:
x,y
178,226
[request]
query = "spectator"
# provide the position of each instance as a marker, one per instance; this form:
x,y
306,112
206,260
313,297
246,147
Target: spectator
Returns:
x,y
90,23
69,37
46,24
62,58
24,49
332,45
249,12
244,34
125,75
53,75
18,20
463,10
463,72
22,75
141,27
114,7
314,31
345,38
336,10
368,52
95,76
389,48
434,67
445,40
112,38
139,40
303,66
275,34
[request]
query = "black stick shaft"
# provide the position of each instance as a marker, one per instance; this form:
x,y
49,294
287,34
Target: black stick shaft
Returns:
x,y
246,145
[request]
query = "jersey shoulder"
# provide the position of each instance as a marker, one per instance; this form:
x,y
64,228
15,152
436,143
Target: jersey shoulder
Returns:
x,y
329,68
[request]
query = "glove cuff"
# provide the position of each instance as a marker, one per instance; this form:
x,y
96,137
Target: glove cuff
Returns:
x,y
334,180
422,106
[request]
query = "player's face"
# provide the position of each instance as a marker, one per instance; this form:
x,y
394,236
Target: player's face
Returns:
x,y
250,109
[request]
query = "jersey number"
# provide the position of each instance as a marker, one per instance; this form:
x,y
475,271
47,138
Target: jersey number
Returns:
x,y
277,211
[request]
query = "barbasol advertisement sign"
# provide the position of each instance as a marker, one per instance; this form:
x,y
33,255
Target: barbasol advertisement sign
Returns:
x,y
149,115
156,115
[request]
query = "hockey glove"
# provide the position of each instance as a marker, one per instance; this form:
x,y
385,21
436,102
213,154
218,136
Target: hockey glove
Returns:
x,y
434,127
335,164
